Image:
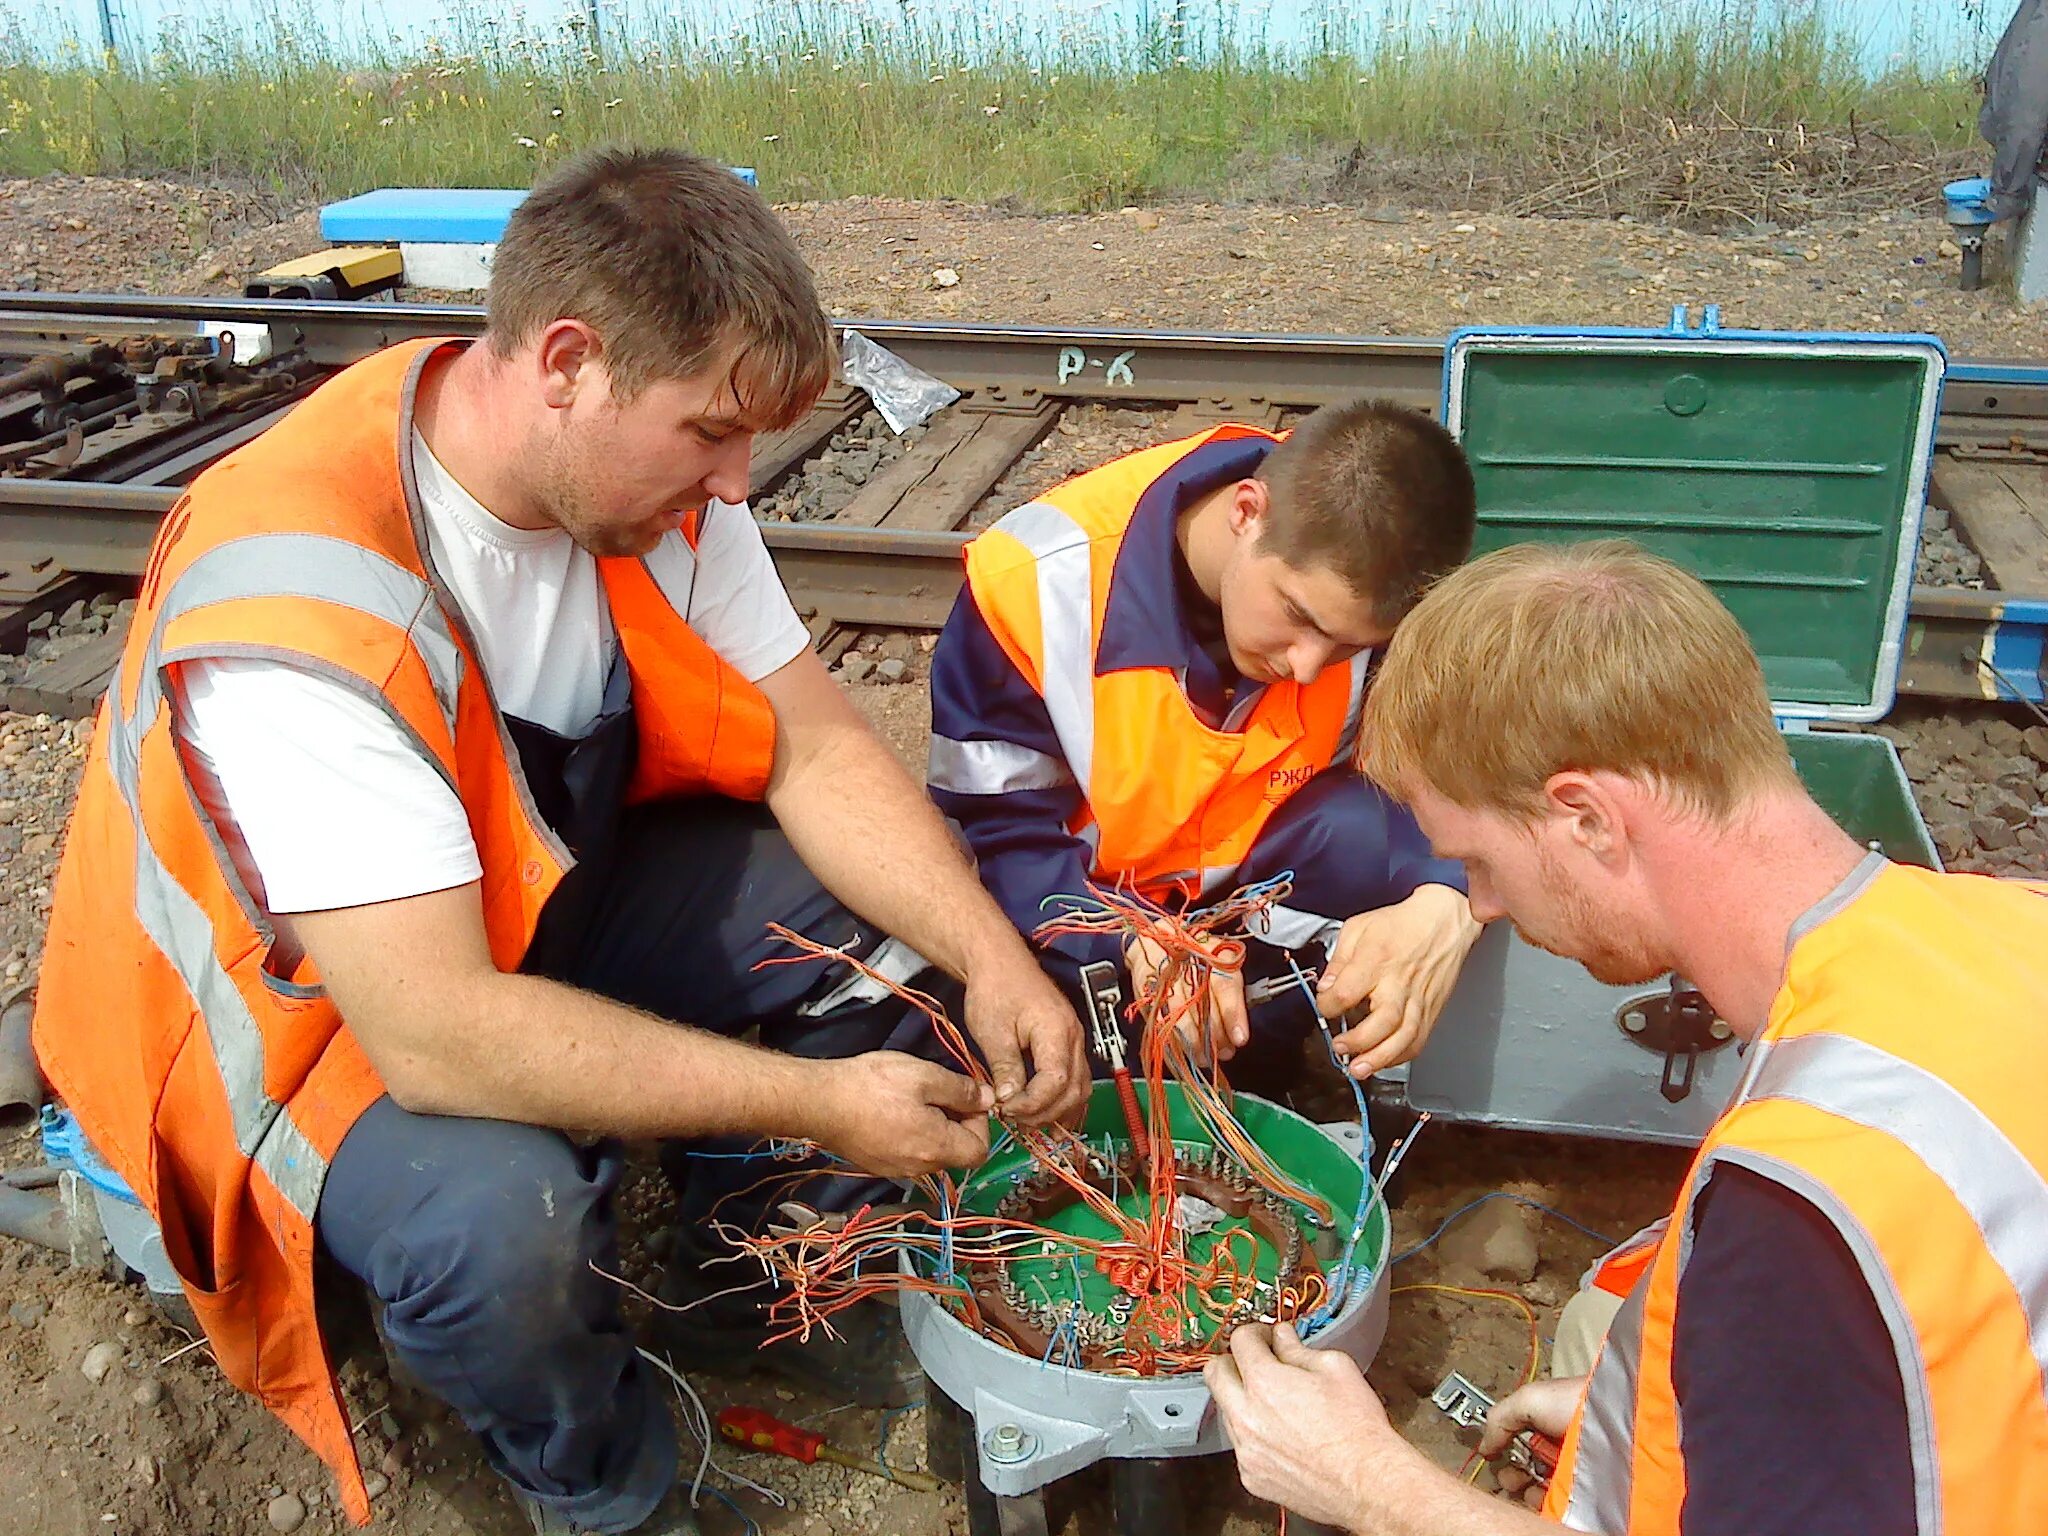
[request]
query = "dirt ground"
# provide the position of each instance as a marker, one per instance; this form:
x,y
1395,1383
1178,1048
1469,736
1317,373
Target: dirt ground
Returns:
x,y
1355,269
157,1442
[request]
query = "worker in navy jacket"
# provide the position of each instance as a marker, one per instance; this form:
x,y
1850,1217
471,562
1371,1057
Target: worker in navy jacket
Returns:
x,y
1153,679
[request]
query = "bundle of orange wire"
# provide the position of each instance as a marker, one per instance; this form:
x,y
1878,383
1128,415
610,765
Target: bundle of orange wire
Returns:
x,y
1179,1304
1177,1021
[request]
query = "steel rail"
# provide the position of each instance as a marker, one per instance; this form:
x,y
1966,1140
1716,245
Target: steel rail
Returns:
x,y
1985,402
1960,643
1073,363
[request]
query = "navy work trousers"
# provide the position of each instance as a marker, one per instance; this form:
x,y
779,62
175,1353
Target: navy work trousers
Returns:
x,y
478,1236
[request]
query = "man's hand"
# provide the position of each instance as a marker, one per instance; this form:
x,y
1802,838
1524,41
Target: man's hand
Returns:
x,y
1225,1022
1544,1406
1311,1436
1017,1016
1305,1425
897,1116
866,830
1405,959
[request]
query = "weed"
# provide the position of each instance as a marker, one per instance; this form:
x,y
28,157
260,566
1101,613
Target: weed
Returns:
x,y
832,100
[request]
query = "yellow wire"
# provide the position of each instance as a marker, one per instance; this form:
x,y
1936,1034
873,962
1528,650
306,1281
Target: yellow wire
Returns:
x,y
1529,1312
1535,1338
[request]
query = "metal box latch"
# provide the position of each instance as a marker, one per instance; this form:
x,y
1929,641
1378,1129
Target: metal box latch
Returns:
x,y
1680,1024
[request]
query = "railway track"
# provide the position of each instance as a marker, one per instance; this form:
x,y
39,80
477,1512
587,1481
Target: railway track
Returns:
x,y
111,459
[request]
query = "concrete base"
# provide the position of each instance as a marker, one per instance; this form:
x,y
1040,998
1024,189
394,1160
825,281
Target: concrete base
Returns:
x,y
434,264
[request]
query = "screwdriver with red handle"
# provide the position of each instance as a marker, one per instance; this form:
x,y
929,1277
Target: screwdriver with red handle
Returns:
x,y
1102,986
758,1430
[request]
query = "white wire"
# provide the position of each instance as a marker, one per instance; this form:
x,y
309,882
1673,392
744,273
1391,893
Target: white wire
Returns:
x,y
698,1421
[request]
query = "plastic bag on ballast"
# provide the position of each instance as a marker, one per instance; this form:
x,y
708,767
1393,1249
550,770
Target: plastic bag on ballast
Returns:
x,y
906,396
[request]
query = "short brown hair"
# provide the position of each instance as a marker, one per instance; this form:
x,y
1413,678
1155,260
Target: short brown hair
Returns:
x,y
1378,493
677,265
1542,658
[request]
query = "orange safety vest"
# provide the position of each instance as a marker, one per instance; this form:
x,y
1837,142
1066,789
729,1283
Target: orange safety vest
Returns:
x,y
1897,1088
216,1086
1618,1271
1171,804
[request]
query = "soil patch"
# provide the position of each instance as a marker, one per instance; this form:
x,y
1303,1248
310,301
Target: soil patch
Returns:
x,y
163,1444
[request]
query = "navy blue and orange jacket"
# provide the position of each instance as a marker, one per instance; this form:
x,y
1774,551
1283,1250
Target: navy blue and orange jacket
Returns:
x,y
1079,732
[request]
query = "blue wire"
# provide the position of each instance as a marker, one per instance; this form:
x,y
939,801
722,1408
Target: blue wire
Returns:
x,y
946,1272
1073,1318
755,1156
882,1432
1344,1281
780,1147
1501,1194
726,1500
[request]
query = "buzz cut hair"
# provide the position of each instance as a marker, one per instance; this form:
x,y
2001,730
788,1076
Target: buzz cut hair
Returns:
x,y
1376,492
678,266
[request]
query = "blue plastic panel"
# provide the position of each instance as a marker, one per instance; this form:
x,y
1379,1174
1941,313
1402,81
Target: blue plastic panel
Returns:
x,y
435,215
432,215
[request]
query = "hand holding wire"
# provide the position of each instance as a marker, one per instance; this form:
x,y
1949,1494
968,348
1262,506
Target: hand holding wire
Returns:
x,y
1302,1421
1206,1002
1020,1020
900,1117
1540,1410
1400,964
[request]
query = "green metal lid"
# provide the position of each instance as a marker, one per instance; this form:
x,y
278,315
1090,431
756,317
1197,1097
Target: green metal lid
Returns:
x,y
1788,471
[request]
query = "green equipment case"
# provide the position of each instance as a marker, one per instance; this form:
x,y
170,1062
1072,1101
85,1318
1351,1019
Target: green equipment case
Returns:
x,y
1789,471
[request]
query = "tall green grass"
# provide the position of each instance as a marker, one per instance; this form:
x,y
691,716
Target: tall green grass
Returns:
x,y
984,106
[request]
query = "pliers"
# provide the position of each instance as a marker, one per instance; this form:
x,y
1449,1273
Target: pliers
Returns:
x,y
1276,986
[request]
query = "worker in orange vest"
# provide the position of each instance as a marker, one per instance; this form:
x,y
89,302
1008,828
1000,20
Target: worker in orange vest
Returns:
x,y
1152,680
463,748
1840,1329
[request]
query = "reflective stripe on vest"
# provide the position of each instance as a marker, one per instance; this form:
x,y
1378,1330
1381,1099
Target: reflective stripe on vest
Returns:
x,y
1046,620
1354,712
285,565
1990,1179
1066,626
1293,927
1603,1470
993,767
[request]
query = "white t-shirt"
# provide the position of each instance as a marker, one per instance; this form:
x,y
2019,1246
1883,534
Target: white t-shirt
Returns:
x,y
323,801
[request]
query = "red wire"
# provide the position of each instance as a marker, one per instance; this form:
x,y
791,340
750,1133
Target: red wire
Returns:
x,y
822,1272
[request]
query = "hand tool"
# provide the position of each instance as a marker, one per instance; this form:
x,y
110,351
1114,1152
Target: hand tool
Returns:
x,y
758,1430
1467,1406
1104,991
1274,986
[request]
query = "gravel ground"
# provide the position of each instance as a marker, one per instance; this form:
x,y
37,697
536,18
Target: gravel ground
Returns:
x,y
1356,269
828,480
1946,561
157,1443
120,235
1384,271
